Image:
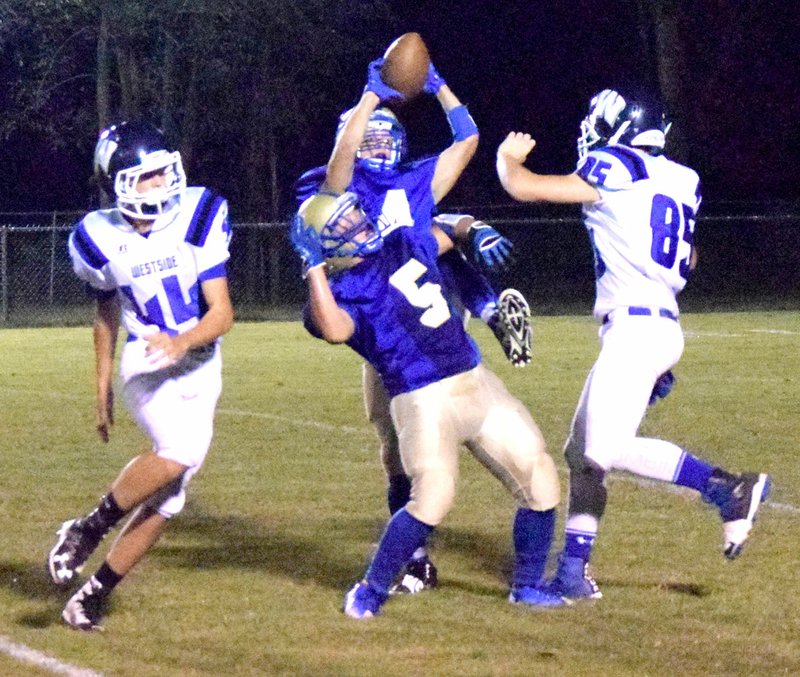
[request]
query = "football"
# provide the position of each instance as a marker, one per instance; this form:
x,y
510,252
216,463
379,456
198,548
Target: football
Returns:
x,y
405,65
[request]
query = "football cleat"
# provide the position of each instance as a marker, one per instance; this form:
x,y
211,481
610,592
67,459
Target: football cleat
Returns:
x,y
536,597
573,581
363,601
70,552
420,574
84,610
739,512
738,498
512,327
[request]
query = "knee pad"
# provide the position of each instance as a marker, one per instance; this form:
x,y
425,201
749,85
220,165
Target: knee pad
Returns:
x,y
171,498
432,495
587,490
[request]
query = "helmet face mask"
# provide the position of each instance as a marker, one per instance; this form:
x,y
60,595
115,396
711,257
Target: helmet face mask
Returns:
x,y
345,231
384,144
129,153
614,120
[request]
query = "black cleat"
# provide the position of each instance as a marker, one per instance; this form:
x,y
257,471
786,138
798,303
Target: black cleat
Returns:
x,y
84,610
419,575
70,552
512,327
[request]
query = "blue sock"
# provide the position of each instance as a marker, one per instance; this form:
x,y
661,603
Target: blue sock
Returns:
x,y
403,535
693,473
579,544
533,536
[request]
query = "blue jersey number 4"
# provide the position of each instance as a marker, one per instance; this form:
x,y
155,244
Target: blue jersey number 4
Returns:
x,y
181,311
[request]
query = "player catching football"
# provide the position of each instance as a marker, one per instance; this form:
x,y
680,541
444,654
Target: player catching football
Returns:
x,y
393,190
386,303
639,209
158,259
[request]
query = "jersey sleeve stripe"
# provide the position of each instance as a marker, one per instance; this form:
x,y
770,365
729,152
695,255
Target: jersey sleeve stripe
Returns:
x,y
633,163
219,270
204,214
87,249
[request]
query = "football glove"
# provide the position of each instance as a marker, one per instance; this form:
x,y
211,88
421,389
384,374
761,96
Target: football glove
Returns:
x,y
489,248
434,82
378,86
663,387
305,241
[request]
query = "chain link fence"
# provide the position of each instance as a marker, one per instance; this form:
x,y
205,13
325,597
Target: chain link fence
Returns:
x,y
746,261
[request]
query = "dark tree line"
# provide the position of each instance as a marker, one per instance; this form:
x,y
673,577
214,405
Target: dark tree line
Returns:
x,y
250,88
236,82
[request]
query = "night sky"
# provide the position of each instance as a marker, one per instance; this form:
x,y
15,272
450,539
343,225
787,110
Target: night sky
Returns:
x,y
532,66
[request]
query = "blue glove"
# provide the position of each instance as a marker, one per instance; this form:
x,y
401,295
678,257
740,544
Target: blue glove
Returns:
x,y
434,82
662,387
378,86
306,243
489,248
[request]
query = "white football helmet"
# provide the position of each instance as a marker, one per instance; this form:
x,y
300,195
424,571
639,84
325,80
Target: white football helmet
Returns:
x,y
614,119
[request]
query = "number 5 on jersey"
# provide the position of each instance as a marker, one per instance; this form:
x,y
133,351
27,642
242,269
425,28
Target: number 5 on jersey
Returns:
x,y
428,295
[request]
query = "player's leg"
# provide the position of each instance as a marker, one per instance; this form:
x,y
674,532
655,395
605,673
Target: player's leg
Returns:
x,y
420,573
585,508
429,451
85,608
178,415
610,409
79,537
737,496
376,405
509,444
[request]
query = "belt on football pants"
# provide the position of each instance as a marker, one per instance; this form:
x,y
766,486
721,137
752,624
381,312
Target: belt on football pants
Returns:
x,y
643,310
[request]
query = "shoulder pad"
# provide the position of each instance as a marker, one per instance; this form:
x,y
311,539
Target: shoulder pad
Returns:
x,y
205,212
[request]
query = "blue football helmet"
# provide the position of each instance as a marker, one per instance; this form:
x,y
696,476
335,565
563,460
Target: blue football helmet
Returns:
x,y
129,151
613,119
345,231
384,144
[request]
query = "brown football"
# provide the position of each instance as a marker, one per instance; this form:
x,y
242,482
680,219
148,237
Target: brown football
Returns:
x,y
405,65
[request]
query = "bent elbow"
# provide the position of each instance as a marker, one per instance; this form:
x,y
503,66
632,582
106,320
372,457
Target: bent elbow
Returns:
x,y
335,336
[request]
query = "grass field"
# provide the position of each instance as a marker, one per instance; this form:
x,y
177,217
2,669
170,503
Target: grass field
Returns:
x,y
282,518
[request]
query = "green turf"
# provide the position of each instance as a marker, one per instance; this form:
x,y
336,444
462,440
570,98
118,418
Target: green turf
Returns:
x,y
281,520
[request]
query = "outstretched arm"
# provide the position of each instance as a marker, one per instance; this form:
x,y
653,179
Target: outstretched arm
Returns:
x,y
339,172
454,159
527,186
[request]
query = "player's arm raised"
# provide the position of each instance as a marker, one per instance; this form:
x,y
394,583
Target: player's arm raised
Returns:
x,y
454,159
339,172
332,323
527,186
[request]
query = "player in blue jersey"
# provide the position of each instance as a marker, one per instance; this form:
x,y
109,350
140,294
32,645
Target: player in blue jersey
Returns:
x,y
639,209
385,301
397,190
158,260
